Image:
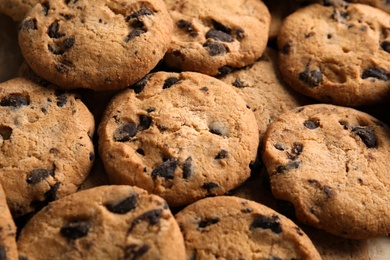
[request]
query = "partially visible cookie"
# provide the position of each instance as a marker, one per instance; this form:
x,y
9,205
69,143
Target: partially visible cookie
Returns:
x,y
234,228
331,163
264,90
46,150
214,36
99,45
106,222
8,249
17,9
337,54
182,136
381,4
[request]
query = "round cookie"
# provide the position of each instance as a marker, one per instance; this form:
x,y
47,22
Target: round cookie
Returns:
x,y
46,150
181,136
8,249
17,9
337,54
264,90
331,163
381,4
99,45
106,222
225,227
212,37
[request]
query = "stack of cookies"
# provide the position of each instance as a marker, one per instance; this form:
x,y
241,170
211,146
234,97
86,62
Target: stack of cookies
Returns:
x,y
185,129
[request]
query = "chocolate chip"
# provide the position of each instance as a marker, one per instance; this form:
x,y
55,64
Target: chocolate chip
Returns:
x,y
328,191
150,110
61,99
144,122
166,169
222,155
68,42
30,24
124,206
61,68
221,27
55,50
224,70
137,24
139,13
238,83
135,251
153,216
187,168
46,8
311,124
169,82
38,175
14,100
375,72
289,166
133,34
386,46
297,148
240,34
140,151
366,133
279,147
140,85
209,186
265,222
125,132
215,48
188,26
53,31
5,132
51,195
208,222
312,78
75,230
219,35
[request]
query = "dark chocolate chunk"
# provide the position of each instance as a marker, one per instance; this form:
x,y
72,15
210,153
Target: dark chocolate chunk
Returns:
x,y
38,175
240,34
150,110
125,132
328,191
46,8
366,133
140,85
208,222
75,230
169,82
265,222
166,169
68,42
312,124
124,206
222,155
279,147
62,68
140,151
14,100
53,31
137,24
135,251
55,50
187,168
312,78
30,24
237,83
134,33
215,48
289,166
153,216
188,26
375,72
61,99
144,122
220,27
5,132
386,46
297,148
139,13
219,35
209,186
224,70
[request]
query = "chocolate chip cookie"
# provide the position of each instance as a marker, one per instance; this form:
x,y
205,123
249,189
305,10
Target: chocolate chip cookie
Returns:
x,y
46,150
332,164
106,222
99,45
17,9
225,227
337,54
182,136
8,248
212,37
381,4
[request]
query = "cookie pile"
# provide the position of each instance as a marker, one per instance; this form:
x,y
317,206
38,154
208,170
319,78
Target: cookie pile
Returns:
x,y
185,129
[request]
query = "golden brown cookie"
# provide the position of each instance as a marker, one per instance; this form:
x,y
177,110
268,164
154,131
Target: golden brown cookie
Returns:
x,y
8,249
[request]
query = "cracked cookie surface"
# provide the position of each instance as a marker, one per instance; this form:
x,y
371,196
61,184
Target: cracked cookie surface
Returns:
x,y
46,150
212,37
337,54
99,45
331,163
181,136
225,227
105,222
